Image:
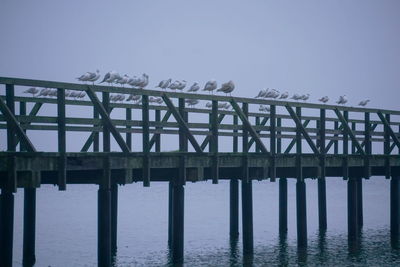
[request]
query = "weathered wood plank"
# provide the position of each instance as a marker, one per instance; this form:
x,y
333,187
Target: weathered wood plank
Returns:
x,y
349,131
62,144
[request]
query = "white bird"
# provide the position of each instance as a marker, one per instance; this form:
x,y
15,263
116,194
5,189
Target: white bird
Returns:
x,y
194,88
52,92
324,99
123,80
227,88
275,94
159,100
174,85
84,77
263,108
210,86
117,97
296,97
144,81
133,98
44,92
94,76
342,100
305,97
111,77
73,94
224,105
284,95
271,94
262,93
164,83
192,102
364,102
182,85
209,105
152,99
32,91
81,94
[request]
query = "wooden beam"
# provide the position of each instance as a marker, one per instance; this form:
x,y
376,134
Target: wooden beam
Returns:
x,y
214,142
272,129
106,119
349,131
92,135
182,123
33,112
208,137
262,123
389,129
293,142
62,144
156,135
302,129
10,118
145,141
248,126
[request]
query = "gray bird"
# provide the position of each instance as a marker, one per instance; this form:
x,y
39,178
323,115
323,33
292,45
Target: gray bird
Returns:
x,y
227,88
210,86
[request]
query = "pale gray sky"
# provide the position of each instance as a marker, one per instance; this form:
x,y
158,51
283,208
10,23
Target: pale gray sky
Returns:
x,y
320,47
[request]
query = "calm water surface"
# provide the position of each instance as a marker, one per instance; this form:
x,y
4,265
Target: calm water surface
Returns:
x,y
67,226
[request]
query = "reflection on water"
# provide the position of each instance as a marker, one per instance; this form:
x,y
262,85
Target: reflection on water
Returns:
x,y
66,227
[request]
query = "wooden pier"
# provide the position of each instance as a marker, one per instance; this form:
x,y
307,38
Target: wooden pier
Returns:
x,y
293,140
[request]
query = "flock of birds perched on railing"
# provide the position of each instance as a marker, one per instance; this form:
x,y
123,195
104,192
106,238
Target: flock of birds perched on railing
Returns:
x,y
141,82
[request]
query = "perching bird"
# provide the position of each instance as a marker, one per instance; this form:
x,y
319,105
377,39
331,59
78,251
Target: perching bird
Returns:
x,y
342,100
305,97
133,98
296,97
227,88
94,76
364,102
224,105
123,80
194,88
210,86
44,92
52,92
263,108
159,100
144,81
164,83
324,99
111,77
181,85
192,102
84,77
174,85
32,91
284,95
208,105
262,93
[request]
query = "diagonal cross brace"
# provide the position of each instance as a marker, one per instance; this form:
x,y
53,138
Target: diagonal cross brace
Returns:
x,y
182,123
302,129
208,137
248,126
9,116
263,122
293,142
389,129
349,131
154,137
33,112
106,119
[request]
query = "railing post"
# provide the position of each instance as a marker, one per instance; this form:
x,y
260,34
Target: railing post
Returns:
x,y
272,166
283,205
145,140
345,164
96,137
158,136
234,192
7,196
301,205
321,181
104,199
336,142
28,254
386,149
62,160
368,145
128,134
247,197
214,142
352,215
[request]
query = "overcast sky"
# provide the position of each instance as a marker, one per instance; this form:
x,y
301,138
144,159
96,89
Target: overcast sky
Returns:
x,y
317,47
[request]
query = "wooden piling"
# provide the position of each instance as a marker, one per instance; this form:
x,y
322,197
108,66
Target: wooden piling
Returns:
x,y
62,160
170,214
234,194
283,205
301,211
322,214
352,215
247,216
114,217
178,195
395,209
28,256
360,215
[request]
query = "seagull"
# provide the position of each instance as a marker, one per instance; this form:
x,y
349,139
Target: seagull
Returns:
x,y
84,77
194,88
111,77
227,88
262,93
174,85
81,94
159,100
342,100
94,76
305,97
275,94
324,99
271,94
182,85
73,94
152,99
284,95
264,108
210,86
144,81
32,91
117,97
224,105
296,97
208,105
192,102
44,92
133,98
164,84
123,80
364,102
